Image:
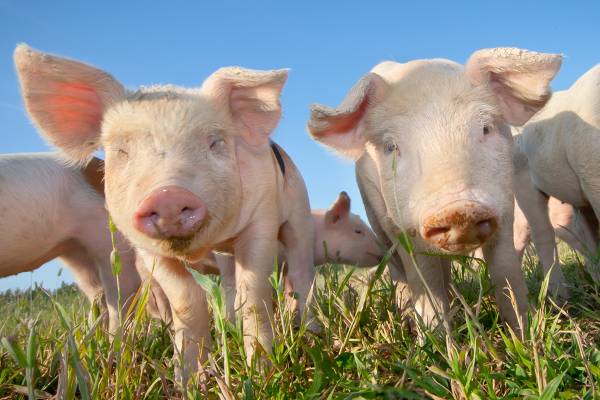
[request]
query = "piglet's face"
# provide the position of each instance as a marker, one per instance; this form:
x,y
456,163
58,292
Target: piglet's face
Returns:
x,y
172,174
171,170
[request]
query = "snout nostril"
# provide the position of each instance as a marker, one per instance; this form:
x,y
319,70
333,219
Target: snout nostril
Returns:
x,y
431,232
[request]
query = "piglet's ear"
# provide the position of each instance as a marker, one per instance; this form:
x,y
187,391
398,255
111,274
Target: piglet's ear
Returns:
x,y
338,210
339,128
252,97
66,99
520,79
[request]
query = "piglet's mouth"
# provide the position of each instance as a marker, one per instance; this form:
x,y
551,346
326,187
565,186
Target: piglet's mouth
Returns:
x,y
458,249
181,245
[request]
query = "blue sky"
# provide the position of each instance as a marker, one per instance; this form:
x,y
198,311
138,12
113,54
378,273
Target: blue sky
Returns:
x,y
327,45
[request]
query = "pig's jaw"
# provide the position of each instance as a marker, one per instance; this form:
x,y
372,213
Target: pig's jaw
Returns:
x,y
179,244
454,249
182,248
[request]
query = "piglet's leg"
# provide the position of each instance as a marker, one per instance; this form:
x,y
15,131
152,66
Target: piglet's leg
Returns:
x,y
226,265
505,271
84,271
570,226
189,310
157,305
535,207
522,232
297,236
255,252
428,284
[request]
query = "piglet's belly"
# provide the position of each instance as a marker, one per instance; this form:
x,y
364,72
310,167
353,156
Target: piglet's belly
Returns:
x,y
567,191
11,264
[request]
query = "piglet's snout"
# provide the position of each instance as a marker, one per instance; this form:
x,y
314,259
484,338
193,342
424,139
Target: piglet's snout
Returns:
x,y
169,211
460,227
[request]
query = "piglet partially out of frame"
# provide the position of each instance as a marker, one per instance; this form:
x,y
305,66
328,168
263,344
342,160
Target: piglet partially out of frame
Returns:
x,y
48,210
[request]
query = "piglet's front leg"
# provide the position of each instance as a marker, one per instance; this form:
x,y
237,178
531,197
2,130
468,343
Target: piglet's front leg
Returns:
x,y
255,252
189,311
507,276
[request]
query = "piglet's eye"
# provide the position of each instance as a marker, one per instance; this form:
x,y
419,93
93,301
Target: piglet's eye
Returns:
x,y
217,143
358,231
122,153
486,129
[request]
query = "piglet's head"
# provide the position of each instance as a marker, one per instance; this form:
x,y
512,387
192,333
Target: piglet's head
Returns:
x,y
172,177
439,136
342,236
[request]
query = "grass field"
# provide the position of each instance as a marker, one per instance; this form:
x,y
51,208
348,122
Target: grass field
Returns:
x,y
52,345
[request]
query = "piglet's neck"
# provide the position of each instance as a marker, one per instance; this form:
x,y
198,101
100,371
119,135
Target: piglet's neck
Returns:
x,y
93,173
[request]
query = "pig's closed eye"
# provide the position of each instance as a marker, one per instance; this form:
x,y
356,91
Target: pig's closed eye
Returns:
x,y
358,231
217,143
122,153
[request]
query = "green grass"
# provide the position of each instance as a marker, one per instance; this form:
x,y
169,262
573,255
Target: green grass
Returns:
x,y
56,344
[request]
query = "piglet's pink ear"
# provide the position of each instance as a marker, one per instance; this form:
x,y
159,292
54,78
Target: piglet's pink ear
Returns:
x,y
66,99
339,128
520,79
338,210
252,97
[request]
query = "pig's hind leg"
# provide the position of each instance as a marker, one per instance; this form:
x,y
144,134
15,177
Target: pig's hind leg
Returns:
x,y
84,271
297,236
534,205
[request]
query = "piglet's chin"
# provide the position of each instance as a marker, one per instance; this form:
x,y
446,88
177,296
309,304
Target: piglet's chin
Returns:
x,y
191,248
458,249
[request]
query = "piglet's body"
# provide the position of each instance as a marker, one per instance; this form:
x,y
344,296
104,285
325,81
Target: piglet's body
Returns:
x,y
51,210
561,144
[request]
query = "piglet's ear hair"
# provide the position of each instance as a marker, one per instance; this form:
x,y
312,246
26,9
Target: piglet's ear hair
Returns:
x,y
252,96
520,79
339,128
66,99
338,210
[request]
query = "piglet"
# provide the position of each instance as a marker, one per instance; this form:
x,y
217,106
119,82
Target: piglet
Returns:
x,y
50,209
188,170
561,147
433,151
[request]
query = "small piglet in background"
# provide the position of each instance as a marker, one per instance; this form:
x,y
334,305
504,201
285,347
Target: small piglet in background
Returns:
x,y
433,152
187,171
340,237
343,237
49,209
